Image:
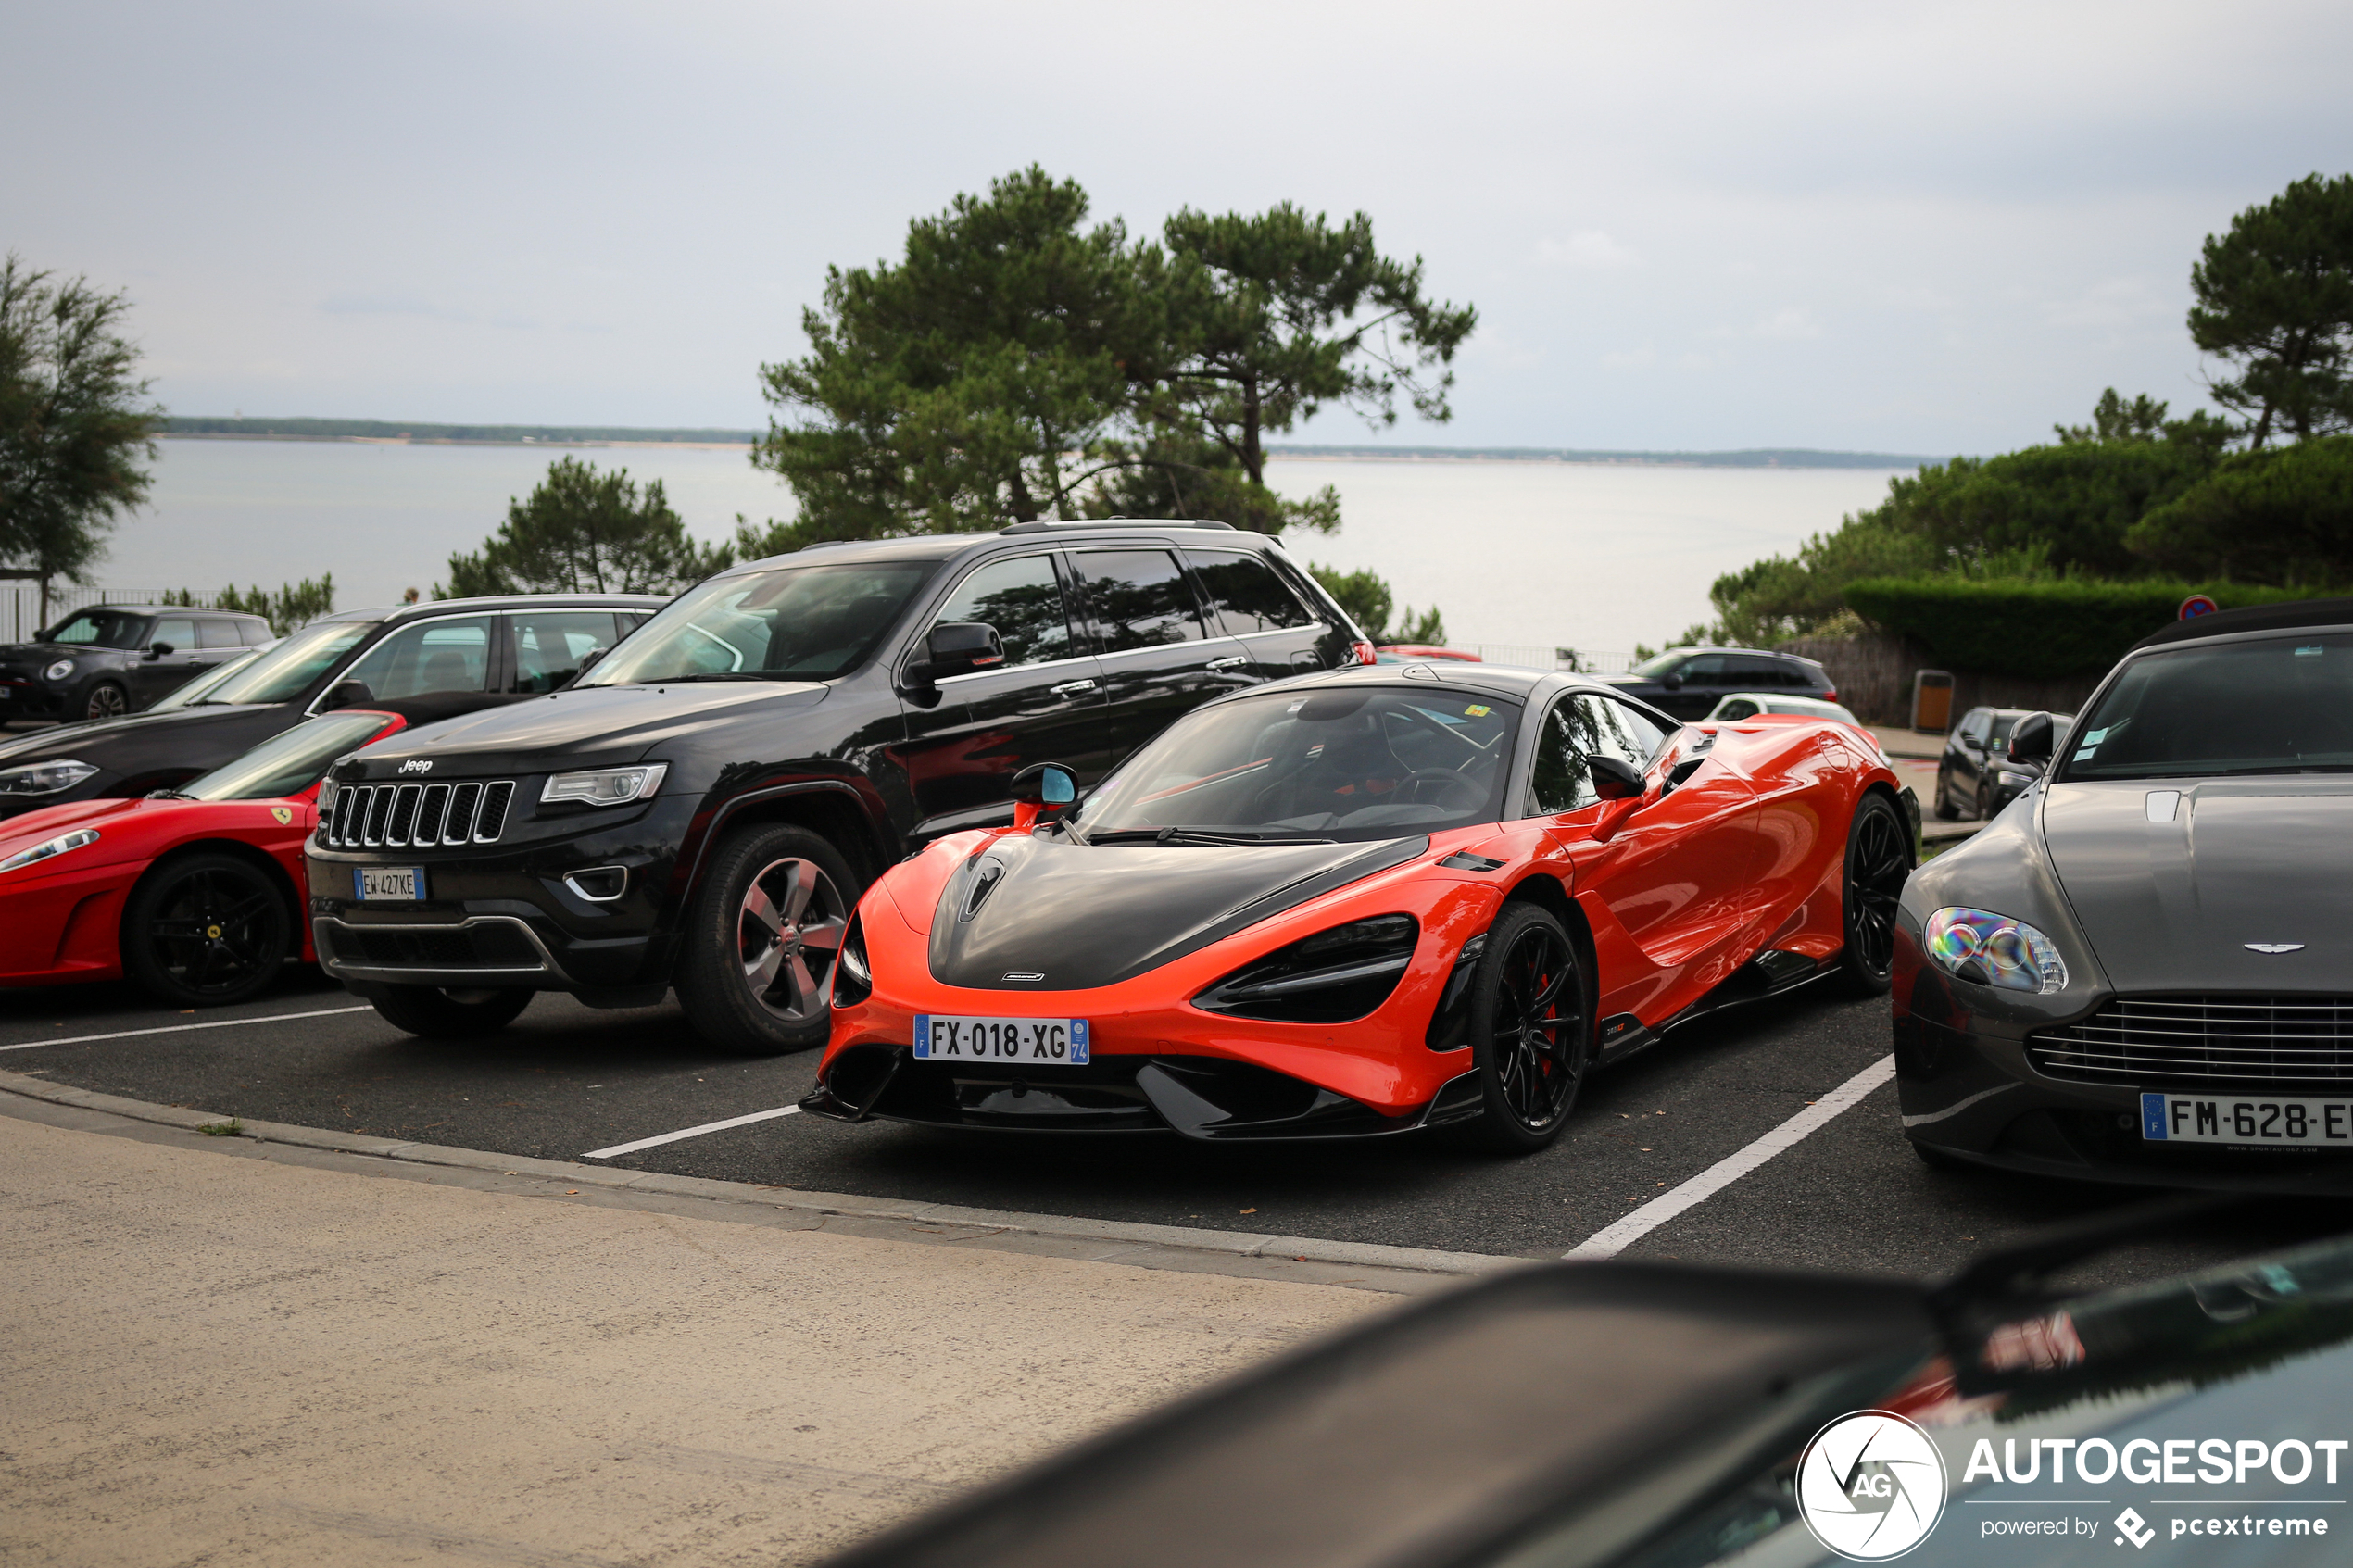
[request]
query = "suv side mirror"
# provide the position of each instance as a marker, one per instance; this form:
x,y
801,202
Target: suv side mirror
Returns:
x,y
1041,789
156,651
347,693
1614,779
2033,739
957,648
1672,680
588,661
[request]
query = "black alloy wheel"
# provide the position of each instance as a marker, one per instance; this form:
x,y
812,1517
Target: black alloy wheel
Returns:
x,y
105,700
1879,859
204,930
1531,1031
756,975
436,1013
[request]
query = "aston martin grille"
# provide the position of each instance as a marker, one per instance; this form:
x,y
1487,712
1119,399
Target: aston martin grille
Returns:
x,y
409,816
2252,1040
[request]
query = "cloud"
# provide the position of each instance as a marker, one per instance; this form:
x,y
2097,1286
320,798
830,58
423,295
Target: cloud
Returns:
x,y
1791,321
1588,248
2113,302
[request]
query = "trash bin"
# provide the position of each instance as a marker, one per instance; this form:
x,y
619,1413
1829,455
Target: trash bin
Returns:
x,y
1932,701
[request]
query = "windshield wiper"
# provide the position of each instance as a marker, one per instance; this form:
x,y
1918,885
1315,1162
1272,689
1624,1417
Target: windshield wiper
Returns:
x,y
717,675
170,794
1204,836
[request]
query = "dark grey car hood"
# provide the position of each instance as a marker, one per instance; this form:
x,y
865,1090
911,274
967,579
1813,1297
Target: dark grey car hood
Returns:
x,y
1078,916
98,736
2171,905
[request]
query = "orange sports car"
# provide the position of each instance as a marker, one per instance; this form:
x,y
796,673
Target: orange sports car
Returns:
x,y
1365,902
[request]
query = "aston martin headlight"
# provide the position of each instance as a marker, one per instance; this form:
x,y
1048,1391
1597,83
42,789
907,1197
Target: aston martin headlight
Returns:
x,y
57,846
1991,949
58,671
1328,978
44,778
605,786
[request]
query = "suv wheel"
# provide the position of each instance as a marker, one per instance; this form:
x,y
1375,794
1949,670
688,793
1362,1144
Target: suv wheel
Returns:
x,y
439,1013
755,974
105,700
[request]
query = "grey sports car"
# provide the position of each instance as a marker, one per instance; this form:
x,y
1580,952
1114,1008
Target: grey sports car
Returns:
x,y
2146,973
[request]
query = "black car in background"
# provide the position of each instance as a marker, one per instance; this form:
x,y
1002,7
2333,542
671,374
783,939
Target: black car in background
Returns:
x,y
1687,682
516,646
704,808
1976,775
110,659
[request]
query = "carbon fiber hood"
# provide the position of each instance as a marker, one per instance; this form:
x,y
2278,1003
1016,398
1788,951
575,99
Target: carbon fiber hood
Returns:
x,y
2170,903
1078,916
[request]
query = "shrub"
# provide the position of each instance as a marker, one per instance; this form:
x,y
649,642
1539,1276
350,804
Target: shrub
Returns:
x,y
2039,630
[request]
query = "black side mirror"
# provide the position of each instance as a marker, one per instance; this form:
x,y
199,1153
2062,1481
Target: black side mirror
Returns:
x,y
957,648
347,693
156,651
588,661
2033,739
1614,779
1040,789
1672,682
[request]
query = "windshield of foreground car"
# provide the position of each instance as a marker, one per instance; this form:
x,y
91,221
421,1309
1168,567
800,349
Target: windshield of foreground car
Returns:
x,y
206,684
797,624
288,763
285,673
100,629
2278,704
1351,762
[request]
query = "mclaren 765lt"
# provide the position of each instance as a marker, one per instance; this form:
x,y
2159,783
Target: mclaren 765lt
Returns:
x,y
1365,902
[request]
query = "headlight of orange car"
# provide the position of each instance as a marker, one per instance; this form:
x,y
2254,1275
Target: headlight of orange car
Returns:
x,y
1328,978
853,976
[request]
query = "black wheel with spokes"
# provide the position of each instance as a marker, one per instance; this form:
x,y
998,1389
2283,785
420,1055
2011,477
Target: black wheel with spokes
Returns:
x,y
1878,859
766,928
1531,1031
204,930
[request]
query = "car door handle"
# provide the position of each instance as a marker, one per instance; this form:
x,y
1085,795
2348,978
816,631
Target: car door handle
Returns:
x,y
1234,663
1070,687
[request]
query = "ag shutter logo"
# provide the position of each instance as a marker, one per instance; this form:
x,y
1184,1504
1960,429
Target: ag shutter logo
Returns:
x,y
1870,1486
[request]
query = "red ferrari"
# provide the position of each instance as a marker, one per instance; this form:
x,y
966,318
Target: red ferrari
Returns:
x,y
196,893
1365,902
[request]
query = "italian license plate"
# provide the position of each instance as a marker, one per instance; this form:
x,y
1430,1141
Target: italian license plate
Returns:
x,y
402,885
2277,1120
1024,1042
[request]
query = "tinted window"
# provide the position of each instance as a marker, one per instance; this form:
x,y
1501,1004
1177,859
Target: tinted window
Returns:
x,y
1736,707
254,633
1706,669
1630,732
289,763
550,644
1580,726
178,630
287,671
2280,705
796,622
213,633
433,655
1245,594
1023,598
102,628
1138,599
1751,670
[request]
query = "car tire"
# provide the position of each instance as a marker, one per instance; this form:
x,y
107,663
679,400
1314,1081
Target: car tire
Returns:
x,y
1945,811
436,1013
1531,1066
1986,809
205,930
1878,859
755,968
106,699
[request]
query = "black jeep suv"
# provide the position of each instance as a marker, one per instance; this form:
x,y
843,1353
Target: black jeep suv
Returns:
x,y
703,808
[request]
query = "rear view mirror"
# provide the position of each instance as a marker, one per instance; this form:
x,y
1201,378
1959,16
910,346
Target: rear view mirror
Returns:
x,y
588,661
346,694
957,648
2033,739
1615,780
1039,790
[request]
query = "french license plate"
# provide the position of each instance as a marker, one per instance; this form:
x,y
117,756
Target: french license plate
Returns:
x,y
2279,1121
404,884
1024,1042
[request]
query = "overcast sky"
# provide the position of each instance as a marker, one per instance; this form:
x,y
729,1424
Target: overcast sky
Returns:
x,y
1898,228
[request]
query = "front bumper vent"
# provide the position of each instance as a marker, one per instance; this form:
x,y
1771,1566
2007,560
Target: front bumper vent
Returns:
x,y
2254,1041
410,816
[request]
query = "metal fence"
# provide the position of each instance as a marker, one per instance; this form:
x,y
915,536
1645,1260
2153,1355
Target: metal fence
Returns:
x,y
20,607
1581,661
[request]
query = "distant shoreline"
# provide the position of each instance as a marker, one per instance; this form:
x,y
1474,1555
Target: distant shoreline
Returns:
x,y
389,433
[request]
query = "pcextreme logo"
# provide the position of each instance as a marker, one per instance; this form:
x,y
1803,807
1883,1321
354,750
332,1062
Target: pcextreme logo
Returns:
x,y
1870,1486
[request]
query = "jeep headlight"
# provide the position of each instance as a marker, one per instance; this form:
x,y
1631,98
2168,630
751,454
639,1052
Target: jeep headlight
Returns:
x,y
604,786
45,778
58,671
57,846
1991,949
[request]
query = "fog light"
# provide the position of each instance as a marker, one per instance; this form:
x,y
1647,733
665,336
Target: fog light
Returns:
x,y
600,884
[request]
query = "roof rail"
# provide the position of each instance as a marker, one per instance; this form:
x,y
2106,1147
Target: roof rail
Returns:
x,y
1117,522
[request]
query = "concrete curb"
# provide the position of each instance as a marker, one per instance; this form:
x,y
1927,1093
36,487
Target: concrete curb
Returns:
x,y
1346,1254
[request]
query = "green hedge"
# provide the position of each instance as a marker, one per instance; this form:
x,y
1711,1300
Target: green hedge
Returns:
x,y
2038,630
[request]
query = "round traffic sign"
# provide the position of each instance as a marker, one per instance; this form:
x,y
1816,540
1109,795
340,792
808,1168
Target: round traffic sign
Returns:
x,y
2197,605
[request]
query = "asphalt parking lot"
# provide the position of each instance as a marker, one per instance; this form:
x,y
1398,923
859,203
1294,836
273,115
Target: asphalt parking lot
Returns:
x,y
565,1082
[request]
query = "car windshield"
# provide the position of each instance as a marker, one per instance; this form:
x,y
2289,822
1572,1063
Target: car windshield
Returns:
x,y
2275,705
1352,762
1662,664
285,673
288,763
100,629
204,684
799,623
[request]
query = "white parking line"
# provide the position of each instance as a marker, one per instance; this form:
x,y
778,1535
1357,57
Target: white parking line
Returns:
x,y
693,1132
179,1028
1612,1240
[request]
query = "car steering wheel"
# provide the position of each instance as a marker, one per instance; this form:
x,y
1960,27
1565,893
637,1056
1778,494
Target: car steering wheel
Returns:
x,y
1447,780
